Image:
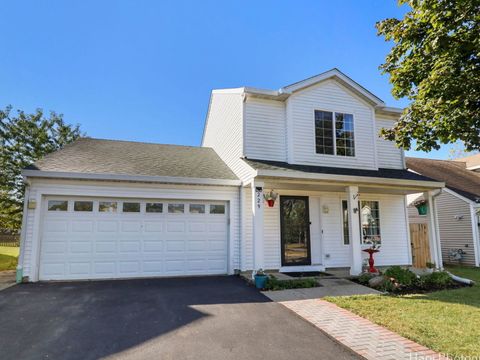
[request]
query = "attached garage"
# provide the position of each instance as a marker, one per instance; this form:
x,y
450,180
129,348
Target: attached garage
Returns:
x,y
85,238
102,209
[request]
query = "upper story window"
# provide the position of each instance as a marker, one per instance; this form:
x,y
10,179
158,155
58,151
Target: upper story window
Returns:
x,y
334,137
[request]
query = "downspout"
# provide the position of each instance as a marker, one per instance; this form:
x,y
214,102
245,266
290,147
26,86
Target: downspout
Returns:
x,y
19,273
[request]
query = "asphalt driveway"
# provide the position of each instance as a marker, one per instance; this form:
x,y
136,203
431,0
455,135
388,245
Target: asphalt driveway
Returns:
x,y
189,318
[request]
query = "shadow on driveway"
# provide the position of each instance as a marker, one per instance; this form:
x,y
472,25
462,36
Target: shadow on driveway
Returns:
x,y
184,318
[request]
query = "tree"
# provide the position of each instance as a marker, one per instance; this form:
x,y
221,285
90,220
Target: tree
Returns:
x,y
24,138
435,63
458,151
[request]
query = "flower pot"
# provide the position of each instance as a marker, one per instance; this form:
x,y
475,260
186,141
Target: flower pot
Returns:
x,y
422,209
270,202
260,281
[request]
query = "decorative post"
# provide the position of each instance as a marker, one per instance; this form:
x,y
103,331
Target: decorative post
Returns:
x,y
257,212
353,197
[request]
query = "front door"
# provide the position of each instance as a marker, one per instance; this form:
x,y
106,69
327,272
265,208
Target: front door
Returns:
x,y
295,230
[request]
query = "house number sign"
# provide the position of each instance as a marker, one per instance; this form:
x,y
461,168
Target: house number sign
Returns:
x,y
258,197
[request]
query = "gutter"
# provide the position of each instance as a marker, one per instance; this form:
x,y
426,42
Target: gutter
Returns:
x,y
348,178
134,178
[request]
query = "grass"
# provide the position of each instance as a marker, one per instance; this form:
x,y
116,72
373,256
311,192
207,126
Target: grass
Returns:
x,y
446,321
8,257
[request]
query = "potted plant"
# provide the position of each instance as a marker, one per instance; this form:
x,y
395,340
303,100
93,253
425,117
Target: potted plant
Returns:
x,y
260,279
374,248
421,206
270,198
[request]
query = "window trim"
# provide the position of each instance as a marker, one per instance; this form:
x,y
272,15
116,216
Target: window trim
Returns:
x,y
362,243
334,128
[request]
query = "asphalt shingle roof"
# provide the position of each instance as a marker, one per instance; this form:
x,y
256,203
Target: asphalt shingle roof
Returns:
x,y
98,156
380,173
453,173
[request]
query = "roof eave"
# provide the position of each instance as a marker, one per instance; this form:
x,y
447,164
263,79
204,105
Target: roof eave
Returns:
x,y
131,178
421,184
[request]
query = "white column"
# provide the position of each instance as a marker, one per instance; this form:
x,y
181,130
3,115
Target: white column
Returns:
x,y
354,229
433,231
257,212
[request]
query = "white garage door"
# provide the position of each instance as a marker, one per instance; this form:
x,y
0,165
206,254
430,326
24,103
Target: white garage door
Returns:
x,y
113,238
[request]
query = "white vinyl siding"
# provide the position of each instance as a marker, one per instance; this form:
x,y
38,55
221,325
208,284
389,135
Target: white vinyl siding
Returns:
x,y
224,131
265,131
126,191
329,96
395,245
455,234
389,156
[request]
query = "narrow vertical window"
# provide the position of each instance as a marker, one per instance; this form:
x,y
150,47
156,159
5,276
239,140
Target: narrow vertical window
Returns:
x,y
346,230
324,132
345,142
370,222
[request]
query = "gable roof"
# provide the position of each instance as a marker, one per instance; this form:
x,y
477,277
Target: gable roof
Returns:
x,y
284,92
136,159
471,162
454,173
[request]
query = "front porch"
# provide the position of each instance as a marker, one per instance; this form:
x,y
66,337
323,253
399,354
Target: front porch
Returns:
x,y
319,224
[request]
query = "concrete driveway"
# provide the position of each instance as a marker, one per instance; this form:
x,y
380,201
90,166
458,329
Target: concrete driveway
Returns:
x,y
189,318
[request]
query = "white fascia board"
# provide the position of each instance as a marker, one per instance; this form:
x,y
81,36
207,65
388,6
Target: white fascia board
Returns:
x,y
136,178
239,90
350,179
330,74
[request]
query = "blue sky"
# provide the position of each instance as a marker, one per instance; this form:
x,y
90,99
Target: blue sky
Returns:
x,y
143,70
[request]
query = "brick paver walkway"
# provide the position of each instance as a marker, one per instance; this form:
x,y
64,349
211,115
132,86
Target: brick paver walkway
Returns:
x,y
367,339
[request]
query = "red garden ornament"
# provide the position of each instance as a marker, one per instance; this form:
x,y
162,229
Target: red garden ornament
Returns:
x,y
270,198
370,251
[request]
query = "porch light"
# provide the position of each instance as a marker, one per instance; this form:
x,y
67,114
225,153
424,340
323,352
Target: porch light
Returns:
x,y
270,198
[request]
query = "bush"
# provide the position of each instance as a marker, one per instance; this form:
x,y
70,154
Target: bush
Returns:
x,y
435,280
403,277
275,284
364,278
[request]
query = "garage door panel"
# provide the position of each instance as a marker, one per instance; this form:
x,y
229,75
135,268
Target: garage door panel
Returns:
x,y
82,226
107,226
80,247
93,245
151,266
154,226
130,246
131,226
80,269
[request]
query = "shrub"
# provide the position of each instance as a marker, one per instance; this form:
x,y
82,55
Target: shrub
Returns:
x,y
403,277
275,284
435,280
364,278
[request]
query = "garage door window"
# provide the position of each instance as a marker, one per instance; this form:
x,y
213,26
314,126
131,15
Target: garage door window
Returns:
x,y
131,207
154,207
57,205
83,206
176,208
197,209
107,206
217,209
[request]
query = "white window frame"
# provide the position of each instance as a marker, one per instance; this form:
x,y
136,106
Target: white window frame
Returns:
x,y
362,242
334,129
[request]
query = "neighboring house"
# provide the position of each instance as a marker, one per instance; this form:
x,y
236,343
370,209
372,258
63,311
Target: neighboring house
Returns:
x,y
115,209
458,206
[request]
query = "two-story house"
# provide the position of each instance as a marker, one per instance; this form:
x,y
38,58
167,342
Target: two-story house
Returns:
x,y
115,209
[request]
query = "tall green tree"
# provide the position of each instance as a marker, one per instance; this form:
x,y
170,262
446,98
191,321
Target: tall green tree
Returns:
x,y
435,63
24,138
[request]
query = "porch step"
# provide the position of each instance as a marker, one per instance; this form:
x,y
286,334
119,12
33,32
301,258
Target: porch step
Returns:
x,y
305,268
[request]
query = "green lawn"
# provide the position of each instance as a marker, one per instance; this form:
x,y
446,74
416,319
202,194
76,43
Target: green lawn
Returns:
x,y
8,257
446,321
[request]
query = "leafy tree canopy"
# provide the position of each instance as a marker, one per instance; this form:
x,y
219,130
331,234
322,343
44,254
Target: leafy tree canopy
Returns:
x,y
435,62
24,138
